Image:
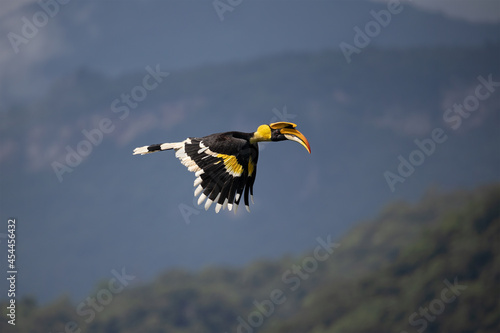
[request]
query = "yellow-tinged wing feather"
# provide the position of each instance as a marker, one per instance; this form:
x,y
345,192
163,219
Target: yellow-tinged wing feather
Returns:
x,y
231,164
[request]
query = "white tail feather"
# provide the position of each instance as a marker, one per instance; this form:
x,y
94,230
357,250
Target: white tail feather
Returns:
x,y
173,145
141,150
164,146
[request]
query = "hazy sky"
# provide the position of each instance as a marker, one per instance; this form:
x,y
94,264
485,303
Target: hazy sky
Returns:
x,y
473,10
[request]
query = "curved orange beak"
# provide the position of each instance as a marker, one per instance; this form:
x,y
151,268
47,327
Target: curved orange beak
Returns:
x,y
294,135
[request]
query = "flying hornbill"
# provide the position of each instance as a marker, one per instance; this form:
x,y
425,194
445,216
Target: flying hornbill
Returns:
x,y
226,163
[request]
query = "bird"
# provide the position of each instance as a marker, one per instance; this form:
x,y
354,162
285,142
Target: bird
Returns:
x,y
225,164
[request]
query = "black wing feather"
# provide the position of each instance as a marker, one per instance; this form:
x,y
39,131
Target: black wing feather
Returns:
x,y
218,178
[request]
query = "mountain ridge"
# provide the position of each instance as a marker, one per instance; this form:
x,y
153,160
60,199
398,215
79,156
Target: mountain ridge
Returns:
x,y
384,271
359,119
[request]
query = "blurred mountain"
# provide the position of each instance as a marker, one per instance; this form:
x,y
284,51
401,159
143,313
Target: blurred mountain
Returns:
x,y
116,38
109,209
431,266
442,273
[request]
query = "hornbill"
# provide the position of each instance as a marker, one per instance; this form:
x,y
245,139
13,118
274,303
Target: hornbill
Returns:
x,y
226,163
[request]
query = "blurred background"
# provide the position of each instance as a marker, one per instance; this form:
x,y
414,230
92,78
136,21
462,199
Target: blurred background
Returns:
x,y
400,102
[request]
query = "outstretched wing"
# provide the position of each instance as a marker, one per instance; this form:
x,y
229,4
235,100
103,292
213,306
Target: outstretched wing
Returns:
x,y
225,167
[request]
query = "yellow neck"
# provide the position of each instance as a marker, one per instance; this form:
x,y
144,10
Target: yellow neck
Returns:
x,y
263,133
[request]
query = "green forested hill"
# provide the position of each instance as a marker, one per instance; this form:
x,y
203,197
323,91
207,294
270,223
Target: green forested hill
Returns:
x,y
444,278
361,119
433,266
